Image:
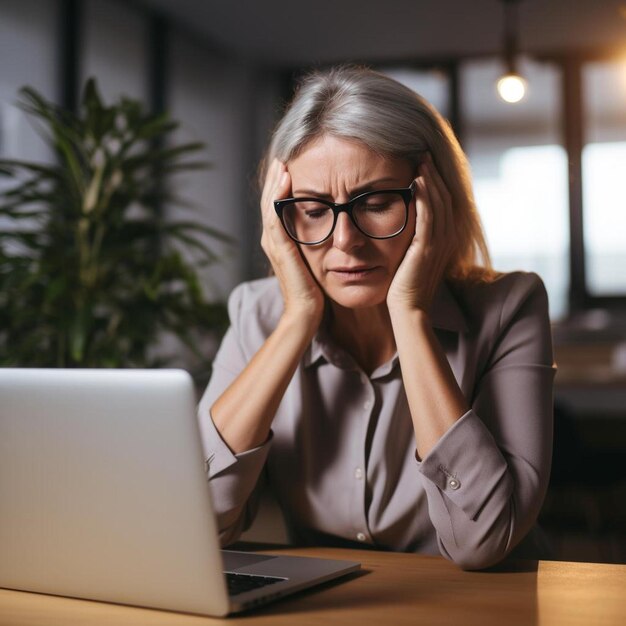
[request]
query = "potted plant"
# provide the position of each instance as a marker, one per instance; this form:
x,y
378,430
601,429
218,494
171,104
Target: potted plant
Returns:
x,y
91,272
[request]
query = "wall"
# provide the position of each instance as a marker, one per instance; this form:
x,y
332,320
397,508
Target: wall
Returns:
x,y
28,56
114,49
211,95
227,104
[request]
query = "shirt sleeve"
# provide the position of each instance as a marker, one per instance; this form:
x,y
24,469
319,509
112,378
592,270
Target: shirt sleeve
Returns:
x,y
486,478
233,478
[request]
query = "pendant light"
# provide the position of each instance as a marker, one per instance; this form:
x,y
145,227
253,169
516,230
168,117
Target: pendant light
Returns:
x,y
511,86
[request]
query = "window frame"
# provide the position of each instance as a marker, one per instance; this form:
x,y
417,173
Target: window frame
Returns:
x,y
571,64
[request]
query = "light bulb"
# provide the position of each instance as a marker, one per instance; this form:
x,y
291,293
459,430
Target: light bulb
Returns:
x,y
512,88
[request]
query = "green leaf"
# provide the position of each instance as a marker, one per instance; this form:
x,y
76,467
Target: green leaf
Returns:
x,y
90,273
188,226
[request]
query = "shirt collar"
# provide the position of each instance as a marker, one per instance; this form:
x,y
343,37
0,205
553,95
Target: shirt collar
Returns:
x,y
321,347
446,314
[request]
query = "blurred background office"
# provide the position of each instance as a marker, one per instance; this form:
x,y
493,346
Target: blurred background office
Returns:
x,y
549,170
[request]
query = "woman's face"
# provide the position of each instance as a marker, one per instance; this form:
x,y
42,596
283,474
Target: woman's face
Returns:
x,y
354,270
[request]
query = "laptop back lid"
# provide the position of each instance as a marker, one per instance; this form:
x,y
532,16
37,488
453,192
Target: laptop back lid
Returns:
x,y
103,491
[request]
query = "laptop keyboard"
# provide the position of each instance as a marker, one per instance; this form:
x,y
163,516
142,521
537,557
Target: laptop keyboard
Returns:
x,y
240,583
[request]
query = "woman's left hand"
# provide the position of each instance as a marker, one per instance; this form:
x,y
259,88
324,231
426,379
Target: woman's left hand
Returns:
x,y
427,257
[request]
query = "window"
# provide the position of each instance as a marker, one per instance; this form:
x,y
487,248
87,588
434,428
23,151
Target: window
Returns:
x,y
604,177
520,172
432,84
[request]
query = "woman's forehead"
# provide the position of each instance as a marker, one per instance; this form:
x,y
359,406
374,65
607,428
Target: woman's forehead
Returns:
x,y
330,158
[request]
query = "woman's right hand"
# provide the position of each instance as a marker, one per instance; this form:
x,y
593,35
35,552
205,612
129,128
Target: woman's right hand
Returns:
x,y
244,412
302,295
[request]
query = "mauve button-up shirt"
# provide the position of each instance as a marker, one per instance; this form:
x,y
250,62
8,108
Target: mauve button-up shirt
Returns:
x,y
341,459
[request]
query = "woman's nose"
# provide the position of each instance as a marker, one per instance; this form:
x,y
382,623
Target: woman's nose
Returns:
x,y
346,235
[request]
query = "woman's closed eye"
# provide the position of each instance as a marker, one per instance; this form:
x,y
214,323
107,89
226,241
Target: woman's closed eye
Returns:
x,y
313,211
375,205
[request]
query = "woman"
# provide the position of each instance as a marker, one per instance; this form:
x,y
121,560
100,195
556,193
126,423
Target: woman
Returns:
x,y
394,390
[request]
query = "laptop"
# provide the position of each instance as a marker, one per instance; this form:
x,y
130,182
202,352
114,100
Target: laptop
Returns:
x,y
104,495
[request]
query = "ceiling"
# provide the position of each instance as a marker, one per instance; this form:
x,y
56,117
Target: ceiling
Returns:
x,y
289,33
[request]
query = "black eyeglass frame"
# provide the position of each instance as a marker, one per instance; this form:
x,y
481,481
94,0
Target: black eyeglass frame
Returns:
x,y
407,194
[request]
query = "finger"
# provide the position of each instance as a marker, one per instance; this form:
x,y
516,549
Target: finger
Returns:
x,y
283,190
437,203
436,178
443,207
269,185
284,184
423,205
277,186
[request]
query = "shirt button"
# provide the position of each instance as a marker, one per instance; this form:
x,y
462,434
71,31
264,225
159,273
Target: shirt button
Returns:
x,y
367,405
358,473
361,537
454,483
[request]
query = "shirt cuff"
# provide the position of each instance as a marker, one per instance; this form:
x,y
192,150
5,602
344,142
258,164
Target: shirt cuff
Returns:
x,y
465,464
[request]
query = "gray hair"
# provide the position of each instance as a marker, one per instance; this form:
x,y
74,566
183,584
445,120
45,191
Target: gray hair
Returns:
x,y
355,104
359,104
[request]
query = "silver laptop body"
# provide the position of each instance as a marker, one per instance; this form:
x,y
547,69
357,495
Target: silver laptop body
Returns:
x,y
104,495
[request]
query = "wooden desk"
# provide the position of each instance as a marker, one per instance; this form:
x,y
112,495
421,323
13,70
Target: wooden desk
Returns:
x,y
393,589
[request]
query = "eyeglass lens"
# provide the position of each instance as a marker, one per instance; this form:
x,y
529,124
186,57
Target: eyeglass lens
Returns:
x,y
378,215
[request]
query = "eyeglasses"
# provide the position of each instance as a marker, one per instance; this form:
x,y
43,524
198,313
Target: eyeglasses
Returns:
x,y
377,214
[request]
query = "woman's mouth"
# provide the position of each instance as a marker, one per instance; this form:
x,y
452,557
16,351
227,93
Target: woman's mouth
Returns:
x,y
352,274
